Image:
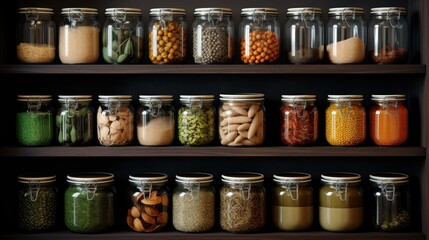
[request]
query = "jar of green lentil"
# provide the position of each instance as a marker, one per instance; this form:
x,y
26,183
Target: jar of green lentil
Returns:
x,y
345,120
34,120
37,202
196,120
89,202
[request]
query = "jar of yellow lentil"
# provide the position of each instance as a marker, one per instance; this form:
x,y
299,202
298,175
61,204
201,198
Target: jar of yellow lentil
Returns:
x,y
345,120
167,35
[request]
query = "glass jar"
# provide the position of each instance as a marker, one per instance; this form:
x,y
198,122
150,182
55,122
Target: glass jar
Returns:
x,y
304,35
156,120
242,202
388,35
122,37
37,202
299,120
79,37
292,201
194,202
345,120
75,120
390,201
89,202
341,202
388,120
115,120
213,35
149,202
259,35
35,120
346,35
242,119
36,40
196,120
167,35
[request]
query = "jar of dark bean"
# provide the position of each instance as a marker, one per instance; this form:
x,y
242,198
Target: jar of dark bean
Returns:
x,y
37,202
213,35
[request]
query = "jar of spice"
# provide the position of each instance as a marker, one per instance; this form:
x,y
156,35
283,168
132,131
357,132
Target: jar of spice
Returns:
x,y
304,35
345,120
292,201
388,35
79,37
196,120
213,35
259,35
37,202
156,120
89,202
115,120
388,120
242,202
75,120
122,36
36,35
341,202
346,35
242,119
149,202
390,201
35,120
167,35
299,120
194,202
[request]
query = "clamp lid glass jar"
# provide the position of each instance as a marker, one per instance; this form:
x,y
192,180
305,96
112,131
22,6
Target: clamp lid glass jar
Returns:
x,y
259,35
36,35
304,35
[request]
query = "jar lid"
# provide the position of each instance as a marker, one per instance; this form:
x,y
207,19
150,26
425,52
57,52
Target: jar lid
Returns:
x,y
121,98
340,98
292,98
42,98
92,11
36,10
204,98
36,178
302,10
334,177
148,177
242,97
243,177
204,11
134,11
292,177
194,177
251,11
149,98
90,177
388,177
345,10
160,11
388,10
75,96
391,97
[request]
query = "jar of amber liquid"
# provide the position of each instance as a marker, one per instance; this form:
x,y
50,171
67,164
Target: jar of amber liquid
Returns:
x,y
341,202
388,120
292,201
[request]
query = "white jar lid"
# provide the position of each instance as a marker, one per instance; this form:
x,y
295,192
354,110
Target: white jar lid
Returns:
x,y
36,10
291,98
148,98
334,177
346,10
242,95
76,96
133,11
90,177
36,178
301,10
388,177
92,11
243,177
204,98
292,177
391,97
42,98
148,177
194,177
160,11
204,11
251,11
388,10
340,98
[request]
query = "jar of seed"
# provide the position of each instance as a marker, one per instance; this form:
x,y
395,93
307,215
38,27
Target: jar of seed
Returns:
x,y
156,120
75,120
259,35
115,120
242,202
213,35
345,120
149,195
89,202
194,202
122,36
35,120
37,202
242,119
196,120
167,35
36,35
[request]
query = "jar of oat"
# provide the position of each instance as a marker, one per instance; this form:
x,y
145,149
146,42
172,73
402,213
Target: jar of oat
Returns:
x,y
345,120
156,120
36,35
346,35
242,119
115,120
79,37
167,35
213,35
259,35
388,35
122,36
304,35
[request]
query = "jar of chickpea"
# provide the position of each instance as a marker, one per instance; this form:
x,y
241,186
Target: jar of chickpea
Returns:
x,y
167,35
259,35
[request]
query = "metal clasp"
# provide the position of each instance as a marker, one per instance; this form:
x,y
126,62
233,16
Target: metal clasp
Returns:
x,y
394,17
155,106
299,106
215,18
119,16
33,190
341,189
164,17
389,191
91,189
307,16
34,105
259,17
146,188
245,188
193,188
348,14
113,105
32,15
292,187
75,16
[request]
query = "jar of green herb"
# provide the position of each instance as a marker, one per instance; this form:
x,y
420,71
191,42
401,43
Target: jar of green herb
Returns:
x,y
89,202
